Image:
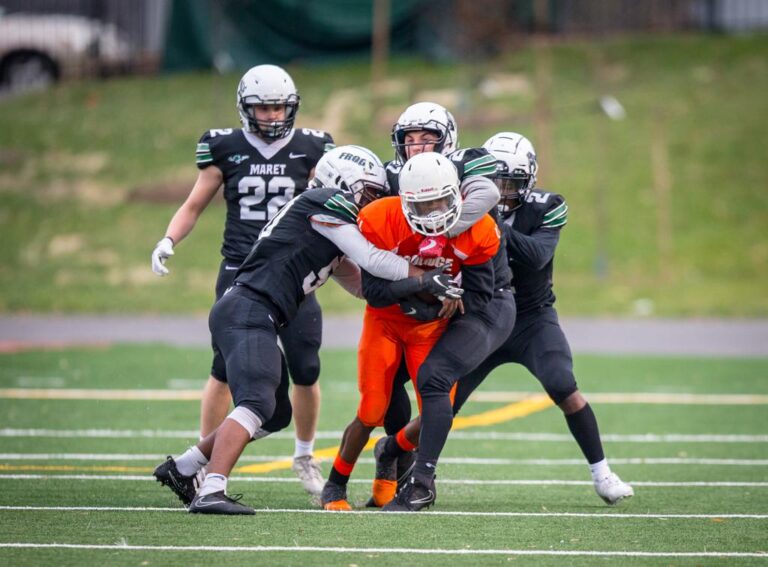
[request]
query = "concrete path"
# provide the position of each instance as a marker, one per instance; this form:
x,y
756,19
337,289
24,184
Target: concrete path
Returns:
x,y
696,337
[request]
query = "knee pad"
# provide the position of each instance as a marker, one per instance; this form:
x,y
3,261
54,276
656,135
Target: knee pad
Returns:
x,y
307,373
246,418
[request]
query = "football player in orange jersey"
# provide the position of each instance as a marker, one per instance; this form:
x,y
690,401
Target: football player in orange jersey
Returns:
x,y
400,320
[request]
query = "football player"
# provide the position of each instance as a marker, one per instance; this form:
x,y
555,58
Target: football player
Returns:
x,y
430,127
532,220
262,166
311,238
400,323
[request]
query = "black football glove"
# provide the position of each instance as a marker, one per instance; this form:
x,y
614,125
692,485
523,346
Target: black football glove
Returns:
x,y
440,284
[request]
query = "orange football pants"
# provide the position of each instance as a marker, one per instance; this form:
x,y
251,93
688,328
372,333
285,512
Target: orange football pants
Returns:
x,y
387,336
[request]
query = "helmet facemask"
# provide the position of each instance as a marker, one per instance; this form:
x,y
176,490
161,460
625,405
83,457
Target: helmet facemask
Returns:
x,y
271,130
433,210
513,187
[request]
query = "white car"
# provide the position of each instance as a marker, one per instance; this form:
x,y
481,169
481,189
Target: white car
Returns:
x,y
37,50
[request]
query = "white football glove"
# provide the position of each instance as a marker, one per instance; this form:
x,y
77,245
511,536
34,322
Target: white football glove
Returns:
x,y
163,250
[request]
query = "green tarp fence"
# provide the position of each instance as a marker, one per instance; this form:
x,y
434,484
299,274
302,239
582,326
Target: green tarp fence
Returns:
x,y
237,34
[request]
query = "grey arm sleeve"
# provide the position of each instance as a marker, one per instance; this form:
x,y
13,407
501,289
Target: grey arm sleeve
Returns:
x,y
380,263
480,196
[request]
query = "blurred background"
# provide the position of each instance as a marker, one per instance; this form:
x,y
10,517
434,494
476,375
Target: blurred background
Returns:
x,y
649,117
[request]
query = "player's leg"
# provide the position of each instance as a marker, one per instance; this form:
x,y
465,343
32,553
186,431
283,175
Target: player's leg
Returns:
x,y
548,356
301,341
216,401
244,331
379,355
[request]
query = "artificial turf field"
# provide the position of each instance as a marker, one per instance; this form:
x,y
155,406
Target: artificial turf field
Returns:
x,y
82,429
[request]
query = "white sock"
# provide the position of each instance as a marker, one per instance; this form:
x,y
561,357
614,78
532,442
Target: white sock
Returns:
x,y
600,469
303,448
213,483
191,461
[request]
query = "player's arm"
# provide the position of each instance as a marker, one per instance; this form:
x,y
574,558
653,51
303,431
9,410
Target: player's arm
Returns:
x,y
379,292
537,249
480,195
477,281
348,276
208,182
381,263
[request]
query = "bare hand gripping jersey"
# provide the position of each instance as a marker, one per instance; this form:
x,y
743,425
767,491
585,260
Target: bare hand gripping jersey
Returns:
x,y
257,186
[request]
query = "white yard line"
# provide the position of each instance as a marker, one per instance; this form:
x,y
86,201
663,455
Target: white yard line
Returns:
x,y
336,435
386,550
149,457
482,396
610,515
506,482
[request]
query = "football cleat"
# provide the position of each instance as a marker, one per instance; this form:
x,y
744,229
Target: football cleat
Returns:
x,y
414,496
308,471
405,464
220,503
385,480
182,486
612,489
334,497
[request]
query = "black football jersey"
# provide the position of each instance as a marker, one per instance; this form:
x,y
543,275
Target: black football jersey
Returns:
x,y
531,246
290,259
257,187
470,161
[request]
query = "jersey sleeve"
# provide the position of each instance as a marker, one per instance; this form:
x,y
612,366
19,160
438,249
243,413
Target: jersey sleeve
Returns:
x,y
473,161
339,208
210,148
557,213
480,243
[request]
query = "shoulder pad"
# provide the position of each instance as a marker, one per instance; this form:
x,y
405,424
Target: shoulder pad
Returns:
x,y
551,206
473,161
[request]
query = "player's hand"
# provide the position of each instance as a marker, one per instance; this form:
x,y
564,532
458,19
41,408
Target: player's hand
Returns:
x,y
440,284
163,250
450,307
432,246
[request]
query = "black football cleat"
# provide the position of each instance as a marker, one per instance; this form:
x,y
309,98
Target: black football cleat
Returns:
x,y
414,496
220,503
182,486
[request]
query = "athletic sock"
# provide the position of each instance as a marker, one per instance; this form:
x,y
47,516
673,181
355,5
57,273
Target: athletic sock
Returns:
x,y
191,461
599,469
213,483
341,471
436,421
303,448
583,426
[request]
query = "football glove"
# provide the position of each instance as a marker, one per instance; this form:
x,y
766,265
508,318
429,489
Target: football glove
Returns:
x,y
432,246
163,250
440,284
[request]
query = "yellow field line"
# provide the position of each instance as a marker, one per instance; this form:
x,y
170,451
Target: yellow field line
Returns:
x,y
509,412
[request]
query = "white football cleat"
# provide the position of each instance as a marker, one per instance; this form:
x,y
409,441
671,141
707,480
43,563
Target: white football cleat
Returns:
x,y
612,489
308,471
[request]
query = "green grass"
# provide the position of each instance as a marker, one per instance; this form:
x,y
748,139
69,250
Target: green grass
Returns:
x,y
151,367
80,164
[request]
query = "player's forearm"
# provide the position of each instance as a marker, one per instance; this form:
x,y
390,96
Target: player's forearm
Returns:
x,y
477,281
534,251
348,276
480,195
181,224
377,292
380,263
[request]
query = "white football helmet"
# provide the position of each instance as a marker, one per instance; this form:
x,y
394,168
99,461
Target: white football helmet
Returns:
x,y
267,84
516,168
354,169
425,116
429,193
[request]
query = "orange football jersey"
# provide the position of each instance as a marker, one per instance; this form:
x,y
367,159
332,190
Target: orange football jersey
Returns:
x,y
383,224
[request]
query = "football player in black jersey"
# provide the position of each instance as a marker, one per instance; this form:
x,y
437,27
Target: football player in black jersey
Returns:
x,y
262,166
532,220
312,237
